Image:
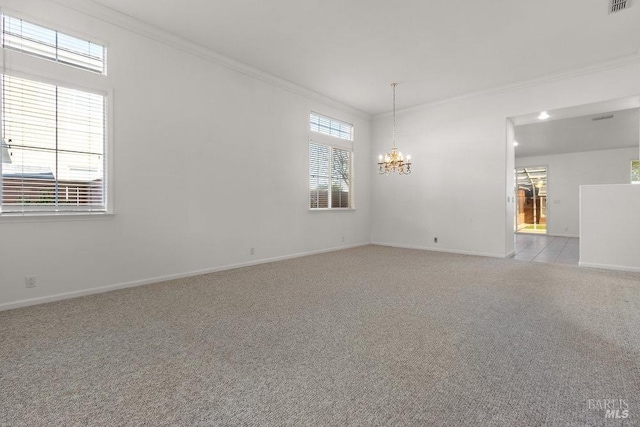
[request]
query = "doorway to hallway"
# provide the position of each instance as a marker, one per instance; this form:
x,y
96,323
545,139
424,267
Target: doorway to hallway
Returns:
x,y
531,196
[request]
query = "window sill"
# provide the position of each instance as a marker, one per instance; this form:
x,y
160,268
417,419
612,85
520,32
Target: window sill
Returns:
x,y
332,210
53,216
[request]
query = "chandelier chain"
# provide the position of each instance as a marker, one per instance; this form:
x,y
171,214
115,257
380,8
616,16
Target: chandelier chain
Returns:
x,y
394,113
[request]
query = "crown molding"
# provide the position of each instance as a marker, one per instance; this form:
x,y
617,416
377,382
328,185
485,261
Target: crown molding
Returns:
x,y
621,62
134,25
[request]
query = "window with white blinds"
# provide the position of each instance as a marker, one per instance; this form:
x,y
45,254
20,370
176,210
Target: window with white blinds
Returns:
x,y
32,39
330,165
54,138
53,148
330,126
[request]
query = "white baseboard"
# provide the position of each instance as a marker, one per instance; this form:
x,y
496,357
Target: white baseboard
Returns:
x,y
132,284
564,235
610,267
451,251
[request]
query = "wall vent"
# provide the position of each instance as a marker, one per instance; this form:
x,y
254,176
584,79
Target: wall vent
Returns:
x,y
608,116
618,5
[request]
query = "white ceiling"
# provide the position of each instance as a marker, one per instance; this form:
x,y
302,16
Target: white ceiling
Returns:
x,y
582,133
352,50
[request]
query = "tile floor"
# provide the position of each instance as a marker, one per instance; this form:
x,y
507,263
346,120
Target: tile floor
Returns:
x,y
542,248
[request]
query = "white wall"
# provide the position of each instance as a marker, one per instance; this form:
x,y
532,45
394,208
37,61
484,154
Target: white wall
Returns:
x,y
566,172
460,184
610,236
208,163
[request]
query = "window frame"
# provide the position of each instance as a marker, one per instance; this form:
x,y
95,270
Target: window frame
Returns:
x,y
332,143
60,29
44,70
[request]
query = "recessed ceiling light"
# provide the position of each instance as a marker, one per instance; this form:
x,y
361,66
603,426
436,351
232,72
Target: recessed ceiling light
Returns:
x,y
515,143
543,115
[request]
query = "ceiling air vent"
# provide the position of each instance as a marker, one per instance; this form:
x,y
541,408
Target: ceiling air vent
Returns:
x,y
618,5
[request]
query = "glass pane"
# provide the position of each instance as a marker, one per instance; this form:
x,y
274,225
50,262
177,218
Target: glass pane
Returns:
x,y
79,166
30,38
29,113
531,191
80,121
340,178
81,53
54,143
318,175
329,126
29,180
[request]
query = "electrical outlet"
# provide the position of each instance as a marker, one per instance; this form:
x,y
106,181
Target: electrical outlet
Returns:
x,y
30,281
252,251
435,240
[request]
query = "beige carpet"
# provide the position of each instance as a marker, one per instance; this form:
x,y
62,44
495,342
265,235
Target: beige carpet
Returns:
x,y
365,336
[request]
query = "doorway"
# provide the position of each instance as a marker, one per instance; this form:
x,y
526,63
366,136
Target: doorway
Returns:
x,y
531,199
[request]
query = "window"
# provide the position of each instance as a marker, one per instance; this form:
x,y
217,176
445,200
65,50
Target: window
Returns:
x,y
333,127
33,39
330,163
635,172
53,135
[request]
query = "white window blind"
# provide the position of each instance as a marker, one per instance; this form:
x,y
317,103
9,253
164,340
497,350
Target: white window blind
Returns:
x,y
329,177
340,178
53,156
26,37
330,126
319,176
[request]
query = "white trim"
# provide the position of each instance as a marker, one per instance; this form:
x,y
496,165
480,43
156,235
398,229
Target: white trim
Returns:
x,y
610,267
32,216
330,141
451,251
23,65
109,154
331,209
144,29
135,283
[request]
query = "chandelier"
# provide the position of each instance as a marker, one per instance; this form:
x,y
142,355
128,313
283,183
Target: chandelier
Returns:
x,y
394,161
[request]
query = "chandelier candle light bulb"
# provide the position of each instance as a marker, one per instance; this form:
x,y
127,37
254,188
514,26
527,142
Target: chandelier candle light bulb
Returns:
x,y
394,161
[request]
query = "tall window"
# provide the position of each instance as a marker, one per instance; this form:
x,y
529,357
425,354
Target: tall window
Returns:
x,y
53,136
330,163
635,172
